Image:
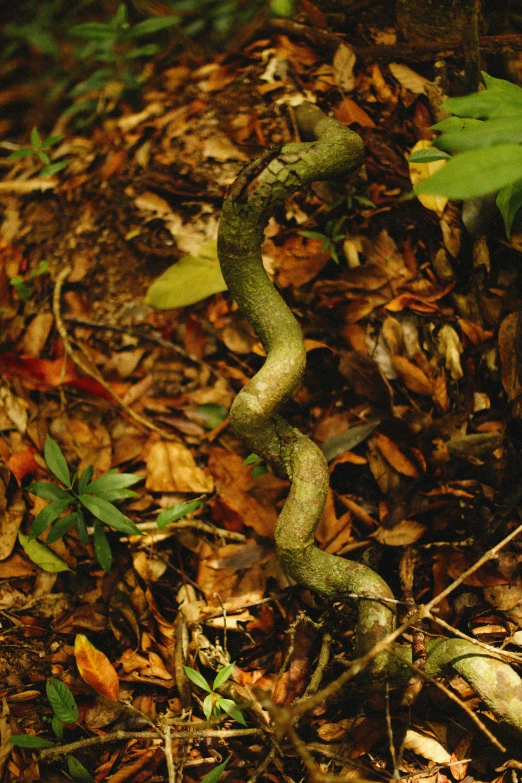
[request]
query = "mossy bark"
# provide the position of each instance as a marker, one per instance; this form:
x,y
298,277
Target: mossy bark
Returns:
x,y
259,188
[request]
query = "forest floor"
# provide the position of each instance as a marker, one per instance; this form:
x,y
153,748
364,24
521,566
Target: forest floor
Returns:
x,y
412,389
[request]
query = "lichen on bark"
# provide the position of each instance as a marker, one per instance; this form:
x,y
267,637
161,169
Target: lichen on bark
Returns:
x,y
335,151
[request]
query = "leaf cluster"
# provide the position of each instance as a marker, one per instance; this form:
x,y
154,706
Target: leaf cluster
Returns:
x,y
214,703
65,710
39,149
485,132
81,498
22,285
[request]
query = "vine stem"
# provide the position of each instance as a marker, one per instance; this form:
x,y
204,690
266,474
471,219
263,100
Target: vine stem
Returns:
x,y
262,185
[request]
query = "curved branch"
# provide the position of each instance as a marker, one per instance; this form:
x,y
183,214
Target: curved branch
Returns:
x,y
260,187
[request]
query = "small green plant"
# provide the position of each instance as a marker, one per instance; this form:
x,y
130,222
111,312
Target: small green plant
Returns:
x,y
113,43
173,513
65,710
38,150
22,285
333,233
214,704
215,774
486,134
81,497
258,466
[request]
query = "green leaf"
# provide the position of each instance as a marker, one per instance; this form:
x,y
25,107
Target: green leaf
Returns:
x,y
485,105
111,481
172,514
252,459
41,269
23,153
61,700
54,168
153,25
313,235
50,140
77,771
81,527
259,470
23,290
451,124
47,515
196,678
94,31
492,83
96,81
35,138
43,157
118,494
57,727
231,708
427,156
102,547
212,414
42,555
282,8
223,675
106,512
208,705
61,527
149,50
190,280
476,173
49,491
56,462
85,479
505,130
214,774
30,741
509,201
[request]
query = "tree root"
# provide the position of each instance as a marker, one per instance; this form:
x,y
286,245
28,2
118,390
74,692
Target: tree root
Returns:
x,y
259,188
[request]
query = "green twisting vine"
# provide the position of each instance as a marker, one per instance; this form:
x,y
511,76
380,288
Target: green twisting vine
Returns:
x,y
263,184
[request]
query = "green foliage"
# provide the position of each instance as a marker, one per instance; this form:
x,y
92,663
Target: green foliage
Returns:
x,y
333,233
81,494
486,135
258,466
172,514
38,150
22,285
65,710
283,8
188,281
214,704
214,775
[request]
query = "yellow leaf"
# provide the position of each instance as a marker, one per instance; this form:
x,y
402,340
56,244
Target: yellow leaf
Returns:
x,y
421,171
95,668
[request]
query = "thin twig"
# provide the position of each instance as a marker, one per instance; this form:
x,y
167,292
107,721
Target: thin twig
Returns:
x,y
92,372
168,755
61,750
187,524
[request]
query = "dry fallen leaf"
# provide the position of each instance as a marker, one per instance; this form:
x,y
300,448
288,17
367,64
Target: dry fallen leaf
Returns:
x,y
95,668
172,468
428,747
421,171
510,348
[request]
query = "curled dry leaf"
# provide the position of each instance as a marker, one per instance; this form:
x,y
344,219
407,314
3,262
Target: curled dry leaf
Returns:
x,y
412,376
427,747
450,347
510,347
406,532
95,668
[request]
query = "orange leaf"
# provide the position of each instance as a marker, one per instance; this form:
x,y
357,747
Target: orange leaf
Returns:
x,y
95,668
412,376
348,112
391,452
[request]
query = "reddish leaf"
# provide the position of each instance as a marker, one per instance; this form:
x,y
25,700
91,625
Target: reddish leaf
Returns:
x,y
22,464
95,668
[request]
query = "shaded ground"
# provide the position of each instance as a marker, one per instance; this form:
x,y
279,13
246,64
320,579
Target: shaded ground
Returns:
x,y
413,390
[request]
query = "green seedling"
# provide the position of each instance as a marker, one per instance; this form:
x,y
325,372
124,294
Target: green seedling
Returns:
x,y
22,285
215,774
79,499
258,466
485,136
65,710
214,704
38,150
333,233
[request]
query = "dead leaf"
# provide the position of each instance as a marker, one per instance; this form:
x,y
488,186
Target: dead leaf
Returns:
x,y
12,510
349,112
421,171
510,348
397,459
366,379
95,668
406,532
172,468
343,64
450,347
36,334
408,78
299,260
412,376
427,747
